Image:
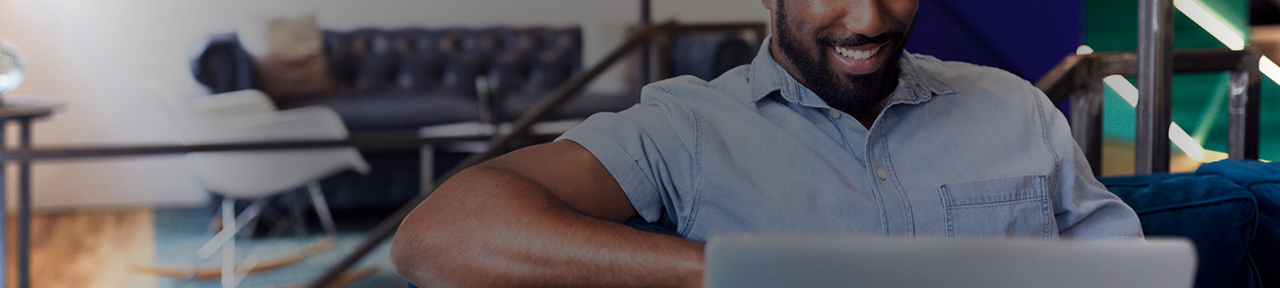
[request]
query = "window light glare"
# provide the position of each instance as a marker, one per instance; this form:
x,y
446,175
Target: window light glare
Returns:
x,y
1210,23
1184,141
1124,88
1269,68
1177,135
1084,50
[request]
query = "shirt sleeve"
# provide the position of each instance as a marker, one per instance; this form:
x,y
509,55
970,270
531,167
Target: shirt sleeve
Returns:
x,y
648,149
1082,206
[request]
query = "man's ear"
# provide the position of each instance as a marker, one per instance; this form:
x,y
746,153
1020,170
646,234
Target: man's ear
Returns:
x,y
769,4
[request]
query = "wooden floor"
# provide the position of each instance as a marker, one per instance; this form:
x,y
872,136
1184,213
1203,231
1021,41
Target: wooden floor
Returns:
x,y
1118,158
90,248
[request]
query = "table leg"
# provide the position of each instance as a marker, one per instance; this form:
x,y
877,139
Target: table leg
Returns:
x,y
4,223
24,209
427,167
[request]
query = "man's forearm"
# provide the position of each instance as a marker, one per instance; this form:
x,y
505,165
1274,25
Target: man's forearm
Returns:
x,y
493,228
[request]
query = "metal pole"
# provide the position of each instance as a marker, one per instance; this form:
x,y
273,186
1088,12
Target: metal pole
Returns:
x,y
4,215
1086,117
1242,127
645,19
24,208
1155,72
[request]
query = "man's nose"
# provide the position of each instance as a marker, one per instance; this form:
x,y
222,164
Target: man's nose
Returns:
x,y
867,17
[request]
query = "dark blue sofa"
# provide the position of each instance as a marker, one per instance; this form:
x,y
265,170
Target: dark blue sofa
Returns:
x,y
1229,209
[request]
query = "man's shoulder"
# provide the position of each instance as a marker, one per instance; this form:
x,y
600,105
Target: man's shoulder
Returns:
x,y
963,73
730,86
974,82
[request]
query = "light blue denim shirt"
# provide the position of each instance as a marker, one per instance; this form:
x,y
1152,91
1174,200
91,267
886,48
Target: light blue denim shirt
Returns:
x,y
959,150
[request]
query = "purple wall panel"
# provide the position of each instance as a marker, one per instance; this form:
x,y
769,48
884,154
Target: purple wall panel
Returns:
x,y
1024,37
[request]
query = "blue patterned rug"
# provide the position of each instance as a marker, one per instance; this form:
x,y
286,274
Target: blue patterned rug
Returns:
x,y
180,232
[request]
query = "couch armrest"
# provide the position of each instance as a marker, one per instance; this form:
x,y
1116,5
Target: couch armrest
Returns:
x,y
307,123
1215,213
224,66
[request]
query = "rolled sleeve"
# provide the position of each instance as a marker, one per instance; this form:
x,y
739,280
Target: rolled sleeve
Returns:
x,y
647,150
640,189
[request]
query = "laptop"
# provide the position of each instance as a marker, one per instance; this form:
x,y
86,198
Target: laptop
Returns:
x,y
742,261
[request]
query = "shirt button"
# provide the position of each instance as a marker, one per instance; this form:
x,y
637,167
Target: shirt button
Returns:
x,y
834,113
883,174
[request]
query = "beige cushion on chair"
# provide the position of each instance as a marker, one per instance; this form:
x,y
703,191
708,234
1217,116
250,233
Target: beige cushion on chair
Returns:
x,y
289,55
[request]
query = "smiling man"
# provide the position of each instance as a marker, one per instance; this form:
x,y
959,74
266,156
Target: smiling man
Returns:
x,y
832,129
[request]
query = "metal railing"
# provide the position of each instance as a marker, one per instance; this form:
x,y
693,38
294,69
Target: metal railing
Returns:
x,y
1078,78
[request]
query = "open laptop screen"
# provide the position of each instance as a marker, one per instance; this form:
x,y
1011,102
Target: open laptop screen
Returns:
x,y
824,261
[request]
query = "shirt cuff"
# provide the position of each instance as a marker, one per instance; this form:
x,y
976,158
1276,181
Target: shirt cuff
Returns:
x,y
639,188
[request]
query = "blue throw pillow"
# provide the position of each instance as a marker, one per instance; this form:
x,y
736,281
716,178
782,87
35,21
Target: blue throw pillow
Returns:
x,y
1217,214
1263,180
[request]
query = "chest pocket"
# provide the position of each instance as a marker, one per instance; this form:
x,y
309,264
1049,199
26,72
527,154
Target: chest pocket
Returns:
x,y
1004,207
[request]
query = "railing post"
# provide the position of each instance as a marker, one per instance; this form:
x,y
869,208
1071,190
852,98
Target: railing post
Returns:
x,y
1086,113
1155,72
1242,125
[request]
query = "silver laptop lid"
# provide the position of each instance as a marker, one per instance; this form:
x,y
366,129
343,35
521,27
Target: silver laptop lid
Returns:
x,y
742,261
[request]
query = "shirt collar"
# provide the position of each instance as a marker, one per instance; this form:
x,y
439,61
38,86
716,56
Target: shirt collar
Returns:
x,y
767,77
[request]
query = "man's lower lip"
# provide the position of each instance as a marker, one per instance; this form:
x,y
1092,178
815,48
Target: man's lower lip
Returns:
x,y
858,67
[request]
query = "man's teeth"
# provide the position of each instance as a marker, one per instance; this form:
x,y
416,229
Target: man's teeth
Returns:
x,y
857,54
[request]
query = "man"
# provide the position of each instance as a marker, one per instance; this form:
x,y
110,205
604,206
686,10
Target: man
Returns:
x,y
832,129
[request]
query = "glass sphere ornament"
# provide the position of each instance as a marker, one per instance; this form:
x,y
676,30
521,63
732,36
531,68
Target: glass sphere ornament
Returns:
x,y
12,67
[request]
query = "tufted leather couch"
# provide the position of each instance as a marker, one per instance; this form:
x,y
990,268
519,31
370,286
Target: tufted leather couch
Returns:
x,y
409,78
404,79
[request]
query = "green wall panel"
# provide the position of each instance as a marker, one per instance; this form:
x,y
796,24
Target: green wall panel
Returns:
x,y
1199,100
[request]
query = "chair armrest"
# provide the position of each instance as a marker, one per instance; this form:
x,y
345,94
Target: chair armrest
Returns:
x,y
243,102
307,123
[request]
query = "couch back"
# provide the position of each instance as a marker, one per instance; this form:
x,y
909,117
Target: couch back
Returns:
x,y
418,60
407,78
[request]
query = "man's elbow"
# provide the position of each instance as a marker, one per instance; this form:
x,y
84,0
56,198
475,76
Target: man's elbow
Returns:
x,y
416,257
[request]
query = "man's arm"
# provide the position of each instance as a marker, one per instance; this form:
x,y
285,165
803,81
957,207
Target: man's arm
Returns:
x,y
1083,208
545,216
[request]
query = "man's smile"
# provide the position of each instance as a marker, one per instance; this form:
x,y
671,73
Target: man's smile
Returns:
x,y
858,60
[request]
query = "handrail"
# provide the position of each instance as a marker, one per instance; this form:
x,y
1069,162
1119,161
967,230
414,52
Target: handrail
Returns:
x,y
1079,78
520,128
366,140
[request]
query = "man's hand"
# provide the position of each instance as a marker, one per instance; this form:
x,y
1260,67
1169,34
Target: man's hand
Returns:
x,y
545,216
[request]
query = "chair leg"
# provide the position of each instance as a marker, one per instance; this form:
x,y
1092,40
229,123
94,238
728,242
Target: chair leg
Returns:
x,y
322,209
228,213
229,247
248,229
298,213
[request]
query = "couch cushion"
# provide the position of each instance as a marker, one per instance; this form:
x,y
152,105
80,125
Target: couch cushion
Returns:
x,y
1214,212
395,111
1263,179
289,56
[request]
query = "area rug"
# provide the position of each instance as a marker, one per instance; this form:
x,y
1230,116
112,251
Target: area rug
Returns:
x,y
180,232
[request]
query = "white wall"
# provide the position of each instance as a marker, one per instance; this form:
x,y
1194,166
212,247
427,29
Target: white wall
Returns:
x,y
107,60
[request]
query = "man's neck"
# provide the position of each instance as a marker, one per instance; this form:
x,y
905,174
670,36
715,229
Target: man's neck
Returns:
x,y
866,117
869,116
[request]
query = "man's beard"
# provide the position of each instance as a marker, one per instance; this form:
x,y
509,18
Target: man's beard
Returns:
x,y
861,92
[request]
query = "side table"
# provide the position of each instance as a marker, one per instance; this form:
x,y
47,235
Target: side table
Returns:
x,y
23,111
546,130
